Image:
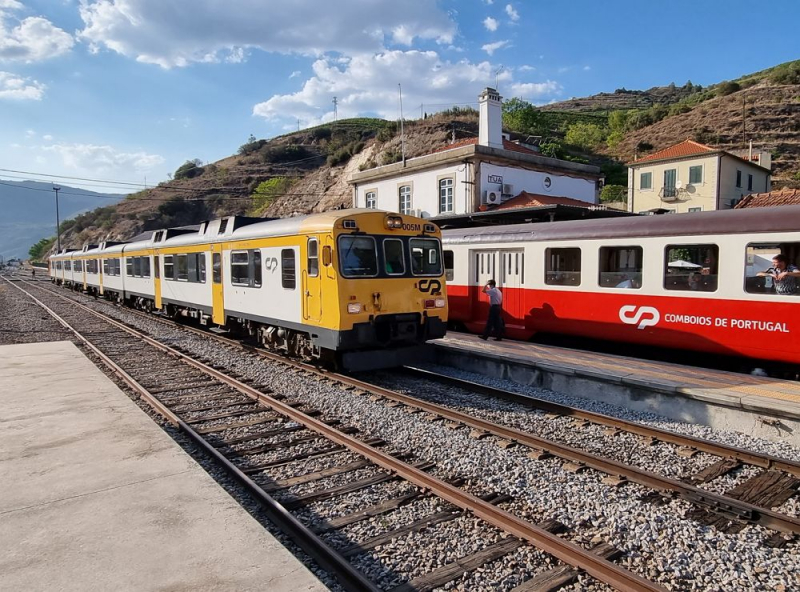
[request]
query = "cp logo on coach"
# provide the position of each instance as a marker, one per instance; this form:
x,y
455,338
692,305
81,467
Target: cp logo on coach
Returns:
x,y
643,316
431,286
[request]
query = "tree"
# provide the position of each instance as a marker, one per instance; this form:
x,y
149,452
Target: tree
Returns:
x,y
522,117
613,193
38,250
189,169
727,87
585,135
268,191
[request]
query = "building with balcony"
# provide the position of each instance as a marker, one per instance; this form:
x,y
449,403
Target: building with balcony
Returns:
x,y
693,177
473,175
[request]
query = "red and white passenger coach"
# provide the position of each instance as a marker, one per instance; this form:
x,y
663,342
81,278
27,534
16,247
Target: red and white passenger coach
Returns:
x,y
687,281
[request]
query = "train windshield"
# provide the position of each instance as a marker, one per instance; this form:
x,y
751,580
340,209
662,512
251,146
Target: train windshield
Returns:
x,y
358,256
426,256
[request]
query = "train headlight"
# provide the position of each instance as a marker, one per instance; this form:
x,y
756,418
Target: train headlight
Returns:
x,y
394,222
440,302
354,308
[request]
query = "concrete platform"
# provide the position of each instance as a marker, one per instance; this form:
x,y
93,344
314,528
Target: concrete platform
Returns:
x,y
763,407
95,496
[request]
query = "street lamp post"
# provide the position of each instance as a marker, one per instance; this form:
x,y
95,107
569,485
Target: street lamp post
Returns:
x,y
58,222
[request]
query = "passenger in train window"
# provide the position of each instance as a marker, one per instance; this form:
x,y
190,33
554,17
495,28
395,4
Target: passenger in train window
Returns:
x,y
495,321
695,281
625,283
783,275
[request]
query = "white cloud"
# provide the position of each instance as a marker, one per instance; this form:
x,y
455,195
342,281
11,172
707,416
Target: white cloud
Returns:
x,y
17,88
490,48
367,85
490,23
526,68
47,138
178,33
295,74
535,90
512,14
103,159
587,68
33,39
30,133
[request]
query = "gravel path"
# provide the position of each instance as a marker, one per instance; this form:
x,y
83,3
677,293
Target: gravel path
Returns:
x,y
659,541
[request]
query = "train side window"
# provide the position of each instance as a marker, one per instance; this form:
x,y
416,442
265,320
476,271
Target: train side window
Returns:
x,y
240,273
145,266
182,267
562,267
766,261
449,266
129,266
105,266
137,267
358,256
256,268
620,267
67,266
691,267
313,257
216,268
393,256
288,273
201,267
193,275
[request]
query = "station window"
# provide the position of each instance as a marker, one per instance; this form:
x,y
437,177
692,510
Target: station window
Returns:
x,y
620,267
405,199
425,256
371,199
449,266
691,267
288,272
393,256
765,262
240,273
358,256
696,174
169,267
749,182
562,267
738,178
313,257
646,181
446,196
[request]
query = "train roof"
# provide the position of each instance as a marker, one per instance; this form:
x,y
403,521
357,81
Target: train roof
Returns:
x,y
755,220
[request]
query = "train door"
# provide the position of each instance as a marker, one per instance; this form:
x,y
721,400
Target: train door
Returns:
x,y
510,280
156,280
312,282
217,302
483,268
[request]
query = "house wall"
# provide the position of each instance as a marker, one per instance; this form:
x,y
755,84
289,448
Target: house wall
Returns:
x,y
424,190
727,181
693,195
533,182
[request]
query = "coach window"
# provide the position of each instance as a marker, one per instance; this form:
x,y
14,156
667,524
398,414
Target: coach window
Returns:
x,y
425,256
129,266
256,268
194,275
137,266
145,267
761,271
182,267
562,267
169,267
313,257
691,267
448,266
393,256
358,256
201,267
105,266
620,267
240,273
288,273
216,267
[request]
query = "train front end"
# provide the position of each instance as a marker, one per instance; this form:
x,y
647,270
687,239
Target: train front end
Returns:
x,y
391,287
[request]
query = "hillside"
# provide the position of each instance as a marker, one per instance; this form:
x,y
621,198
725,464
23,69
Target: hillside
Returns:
x,y
307,171
28,212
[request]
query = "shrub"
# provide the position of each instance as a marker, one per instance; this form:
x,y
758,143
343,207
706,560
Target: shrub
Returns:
x,y
727,87
251,145
391,156
189,169
283,154
386,133
268,191
613,193
786,73
321,133
551,149
585,135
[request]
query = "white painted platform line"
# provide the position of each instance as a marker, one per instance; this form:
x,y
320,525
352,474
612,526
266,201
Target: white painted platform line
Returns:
x,y
95,496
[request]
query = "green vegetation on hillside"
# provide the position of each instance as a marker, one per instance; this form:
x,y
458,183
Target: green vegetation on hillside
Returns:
x,y
267,192
38,250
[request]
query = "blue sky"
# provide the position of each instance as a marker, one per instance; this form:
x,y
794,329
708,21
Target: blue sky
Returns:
x,y
129,89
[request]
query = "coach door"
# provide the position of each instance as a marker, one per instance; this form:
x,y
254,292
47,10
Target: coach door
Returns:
x,y
312,282
484,268
217,303
156,280
511,280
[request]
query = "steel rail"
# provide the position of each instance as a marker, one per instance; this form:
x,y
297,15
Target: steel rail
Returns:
x,y
575,555
348,576
765,461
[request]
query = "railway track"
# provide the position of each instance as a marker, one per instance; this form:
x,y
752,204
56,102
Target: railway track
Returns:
x,y
255,433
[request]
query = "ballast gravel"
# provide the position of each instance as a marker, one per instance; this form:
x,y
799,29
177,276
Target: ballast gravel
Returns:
x,y
659,541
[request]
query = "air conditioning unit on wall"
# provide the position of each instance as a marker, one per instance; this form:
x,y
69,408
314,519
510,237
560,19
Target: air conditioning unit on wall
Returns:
x,y
508,189
493,197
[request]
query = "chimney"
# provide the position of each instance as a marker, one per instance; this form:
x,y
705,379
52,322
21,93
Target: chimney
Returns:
x,y
490,128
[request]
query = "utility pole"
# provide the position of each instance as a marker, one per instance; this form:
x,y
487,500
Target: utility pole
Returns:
x,y
744,121
402,136
58,221
497,78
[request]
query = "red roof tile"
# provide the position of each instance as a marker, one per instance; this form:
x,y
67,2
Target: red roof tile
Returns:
x,y
780,197
532,200
685,148
507,145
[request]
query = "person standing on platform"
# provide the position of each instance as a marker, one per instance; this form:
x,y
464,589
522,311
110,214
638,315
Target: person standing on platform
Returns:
x,y
495,321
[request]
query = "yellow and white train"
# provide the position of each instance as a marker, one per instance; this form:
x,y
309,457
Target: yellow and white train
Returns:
x,y
361,288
